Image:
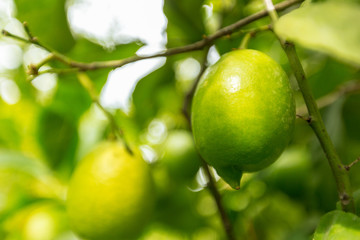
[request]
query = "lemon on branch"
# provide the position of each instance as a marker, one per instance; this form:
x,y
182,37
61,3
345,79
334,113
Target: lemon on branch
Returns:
x,y
243,114
110,194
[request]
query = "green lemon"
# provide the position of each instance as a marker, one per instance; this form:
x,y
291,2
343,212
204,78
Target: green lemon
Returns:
x,y
243,114
110,195
180,156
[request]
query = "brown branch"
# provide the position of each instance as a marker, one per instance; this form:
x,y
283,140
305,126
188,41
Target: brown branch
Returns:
x,y
306,119
347,167
206,41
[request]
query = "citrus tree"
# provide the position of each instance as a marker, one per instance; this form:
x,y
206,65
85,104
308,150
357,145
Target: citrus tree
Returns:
x,y
247,128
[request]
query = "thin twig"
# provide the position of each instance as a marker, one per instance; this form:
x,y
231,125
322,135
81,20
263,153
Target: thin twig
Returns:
x,y
347,167
252,33
206,41
27,30
306,119
90,88
51,70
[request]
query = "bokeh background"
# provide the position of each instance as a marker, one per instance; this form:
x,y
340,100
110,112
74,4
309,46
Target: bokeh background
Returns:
x,y
49,124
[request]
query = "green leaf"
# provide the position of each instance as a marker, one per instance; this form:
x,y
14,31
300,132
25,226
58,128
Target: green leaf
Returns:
x,y
184,22
20,171
17,126
338,225
154,92
329,27
47,21
329,76
17,161
351,115
22,180
71,100
9,135
59,138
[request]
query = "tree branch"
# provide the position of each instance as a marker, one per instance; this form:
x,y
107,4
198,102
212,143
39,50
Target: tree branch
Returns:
x,y
206,41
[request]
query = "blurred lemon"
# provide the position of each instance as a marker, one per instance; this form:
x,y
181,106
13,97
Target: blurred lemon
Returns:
x,y
111,194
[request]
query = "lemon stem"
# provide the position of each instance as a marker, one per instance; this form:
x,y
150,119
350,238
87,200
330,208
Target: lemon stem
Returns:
x,y
90,88
317,124
245,41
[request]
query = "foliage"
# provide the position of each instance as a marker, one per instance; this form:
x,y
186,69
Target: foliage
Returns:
x,y
49,124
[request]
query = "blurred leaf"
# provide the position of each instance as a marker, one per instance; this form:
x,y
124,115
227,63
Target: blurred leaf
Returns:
x,y
154,92
17,161
264,214
179,201
227,44
21,175
131,130
184,22
70,100
17,126
351,116
330,75
47,21
57,131
59,138
338,225
334,123
327,27
290,173
9,136
356,196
